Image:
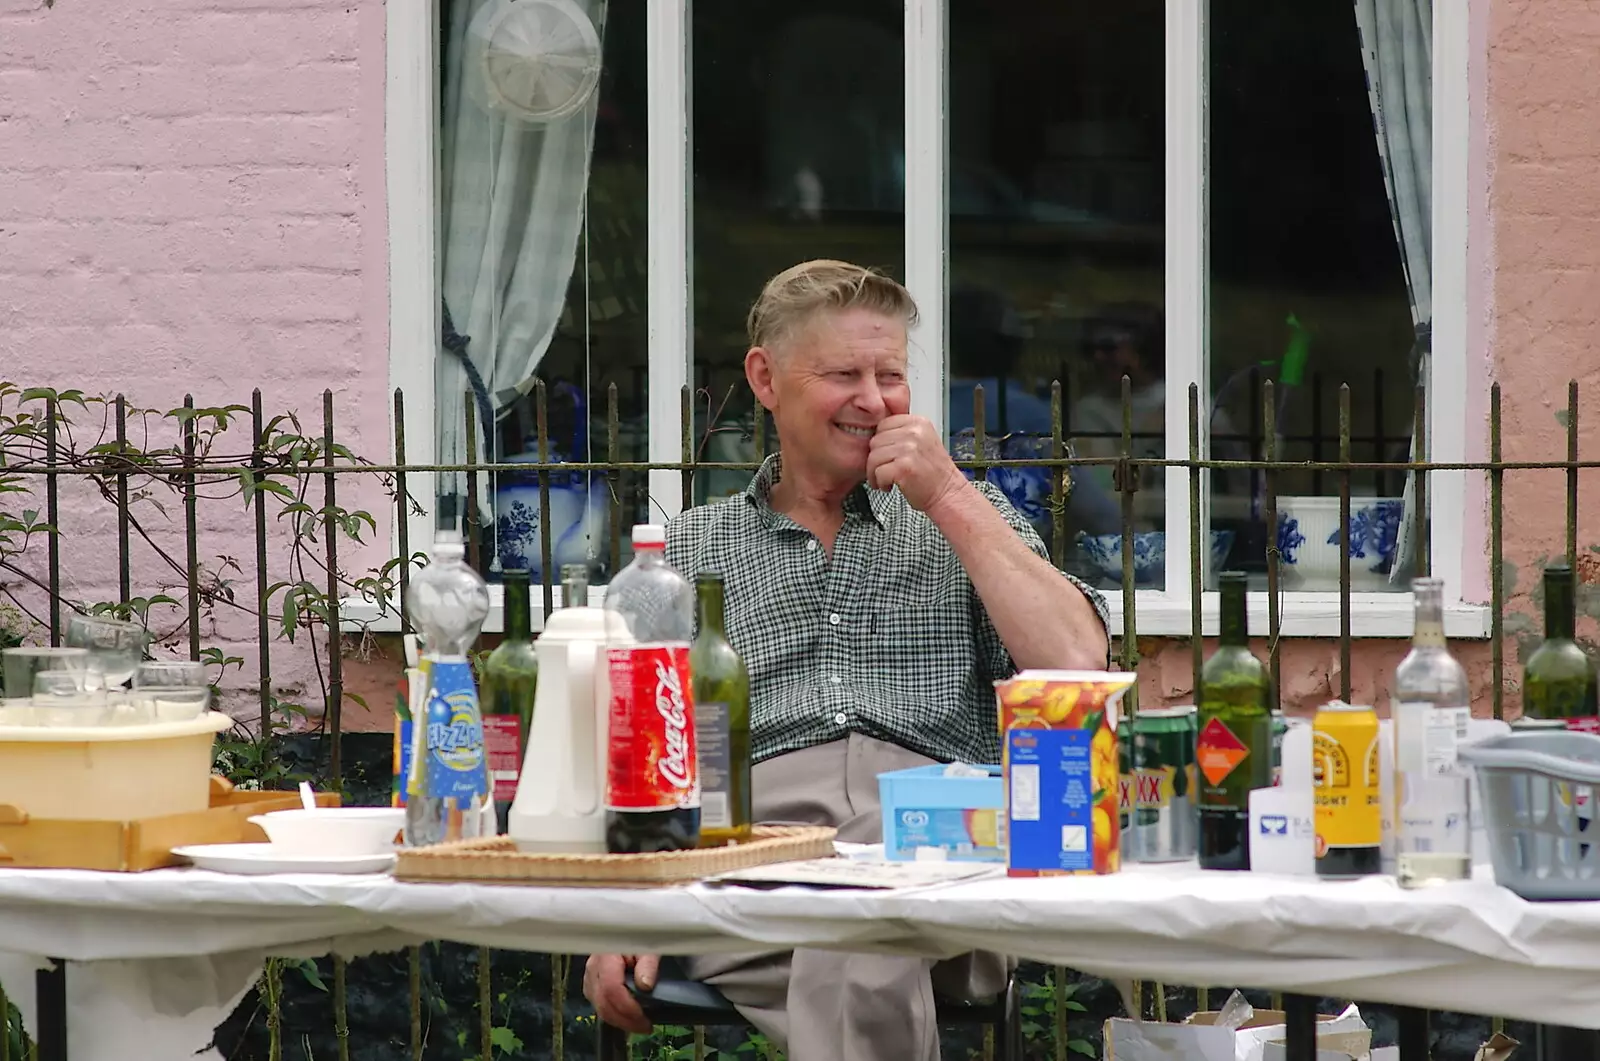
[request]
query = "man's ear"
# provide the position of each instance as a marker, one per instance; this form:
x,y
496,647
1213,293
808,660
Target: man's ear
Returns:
x,y
759,370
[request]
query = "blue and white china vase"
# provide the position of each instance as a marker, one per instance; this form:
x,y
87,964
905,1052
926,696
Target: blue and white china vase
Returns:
x,y
579,504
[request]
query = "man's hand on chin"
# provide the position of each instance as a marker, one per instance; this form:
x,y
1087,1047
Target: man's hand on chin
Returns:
x,y
907,452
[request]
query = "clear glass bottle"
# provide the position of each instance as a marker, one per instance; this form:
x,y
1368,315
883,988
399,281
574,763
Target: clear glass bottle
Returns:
x,y
449,783
1432,791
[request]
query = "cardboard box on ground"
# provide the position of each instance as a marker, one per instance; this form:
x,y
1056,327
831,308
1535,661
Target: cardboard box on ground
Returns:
x,y
1237,1032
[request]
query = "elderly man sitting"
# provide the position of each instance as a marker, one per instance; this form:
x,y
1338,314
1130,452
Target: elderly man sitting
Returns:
x,y
875,595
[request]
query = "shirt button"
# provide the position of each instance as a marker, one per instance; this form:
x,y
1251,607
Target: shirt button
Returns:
x,y
835,679
811,543
833,619
840,719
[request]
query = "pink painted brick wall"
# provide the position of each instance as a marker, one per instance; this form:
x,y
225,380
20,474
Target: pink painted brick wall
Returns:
x,y
192,200
1542,227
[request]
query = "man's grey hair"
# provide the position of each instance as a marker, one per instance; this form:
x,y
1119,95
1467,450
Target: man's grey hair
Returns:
x,y
798,294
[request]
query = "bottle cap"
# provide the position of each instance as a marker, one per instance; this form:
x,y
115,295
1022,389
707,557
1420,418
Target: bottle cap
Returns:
x,y
649,534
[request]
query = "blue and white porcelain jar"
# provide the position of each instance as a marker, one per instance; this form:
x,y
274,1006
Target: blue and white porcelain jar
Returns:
x,y
580,505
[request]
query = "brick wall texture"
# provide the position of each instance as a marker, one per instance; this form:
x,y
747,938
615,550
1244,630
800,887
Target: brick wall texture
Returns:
x,y
192,201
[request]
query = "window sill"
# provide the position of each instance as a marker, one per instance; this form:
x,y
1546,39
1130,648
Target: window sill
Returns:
x,y
1372,615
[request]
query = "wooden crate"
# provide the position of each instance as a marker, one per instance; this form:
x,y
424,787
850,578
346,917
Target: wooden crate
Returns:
x,y
147,843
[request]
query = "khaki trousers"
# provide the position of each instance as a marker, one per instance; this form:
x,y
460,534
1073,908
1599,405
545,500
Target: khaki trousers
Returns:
x,y
833,1006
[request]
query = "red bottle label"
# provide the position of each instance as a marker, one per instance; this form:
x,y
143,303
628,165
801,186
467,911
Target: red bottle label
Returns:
x,y
502,737
652,763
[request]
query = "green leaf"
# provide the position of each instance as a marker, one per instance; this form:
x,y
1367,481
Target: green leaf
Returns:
x,y
504,1039
308,969
291,615
1081,1046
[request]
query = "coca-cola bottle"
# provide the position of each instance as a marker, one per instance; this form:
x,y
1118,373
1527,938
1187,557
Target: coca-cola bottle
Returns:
x,y
652,766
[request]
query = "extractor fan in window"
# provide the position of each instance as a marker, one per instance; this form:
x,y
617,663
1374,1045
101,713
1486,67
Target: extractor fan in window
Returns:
x,y
533,61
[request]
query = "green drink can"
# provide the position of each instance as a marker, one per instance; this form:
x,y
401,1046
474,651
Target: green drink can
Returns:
x,y
1125,786
1164,790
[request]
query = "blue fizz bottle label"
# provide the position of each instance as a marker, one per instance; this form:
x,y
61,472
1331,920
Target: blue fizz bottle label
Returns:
x,y
456,767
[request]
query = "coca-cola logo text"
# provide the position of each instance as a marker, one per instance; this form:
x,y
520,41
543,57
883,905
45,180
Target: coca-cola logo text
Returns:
x,y
675,765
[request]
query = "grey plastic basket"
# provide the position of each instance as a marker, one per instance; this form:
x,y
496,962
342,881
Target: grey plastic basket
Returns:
x,y
1535,783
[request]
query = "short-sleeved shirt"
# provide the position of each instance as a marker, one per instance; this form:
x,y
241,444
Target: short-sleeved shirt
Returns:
x,y
886,637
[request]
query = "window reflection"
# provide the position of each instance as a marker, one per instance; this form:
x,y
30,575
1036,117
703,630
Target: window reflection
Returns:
x,y
799,152
1057,133
1307,287
542,273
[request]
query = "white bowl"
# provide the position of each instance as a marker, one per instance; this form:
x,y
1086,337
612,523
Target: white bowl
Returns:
x,y
333,830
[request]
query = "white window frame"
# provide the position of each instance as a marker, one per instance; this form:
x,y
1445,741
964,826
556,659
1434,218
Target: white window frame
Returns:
x,y
411,115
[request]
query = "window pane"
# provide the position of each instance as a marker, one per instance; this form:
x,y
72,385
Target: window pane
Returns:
x,y
1057,252
542,236
799,153
1307,286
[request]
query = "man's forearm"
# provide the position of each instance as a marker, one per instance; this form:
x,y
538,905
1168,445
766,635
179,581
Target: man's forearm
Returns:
x,y
1043,620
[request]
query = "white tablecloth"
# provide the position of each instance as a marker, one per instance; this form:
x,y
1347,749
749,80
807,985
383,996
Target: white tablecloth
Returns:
x,y
170,952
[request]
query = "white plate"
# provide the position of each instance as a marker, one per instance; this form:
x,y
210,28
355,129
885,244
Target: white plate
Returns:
x,y
258,859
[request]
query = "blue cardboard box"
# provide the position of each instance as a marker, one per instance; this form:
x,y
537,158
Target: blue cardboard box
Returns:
x,y
924,808
1051,823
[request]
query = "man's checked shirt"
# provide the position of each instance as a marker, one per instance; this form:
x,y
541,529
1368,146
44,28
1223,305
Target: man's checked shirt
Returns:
x,y
887,637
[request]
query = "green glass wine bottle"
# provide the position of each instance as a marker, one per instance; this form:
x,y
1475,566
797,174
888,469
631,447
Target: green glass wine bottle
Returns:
x,y
510,679
721,721
1234,748
1558,681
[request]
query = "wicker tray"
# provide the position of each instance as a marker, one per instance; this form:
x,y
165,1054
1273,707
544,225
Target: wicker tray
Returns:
x,y
496,860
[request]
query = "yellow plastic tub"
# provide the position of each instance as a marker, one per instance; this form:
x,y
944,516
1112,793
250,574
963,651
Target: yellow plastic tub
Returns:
x,y
109,773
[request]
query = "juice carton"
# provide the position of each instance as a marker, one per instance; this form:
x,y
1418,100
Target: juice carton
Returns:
x,y
1059,734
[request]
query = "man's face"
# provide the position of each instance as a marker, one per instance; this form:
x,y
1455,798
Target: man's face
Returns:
x,y
830,384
